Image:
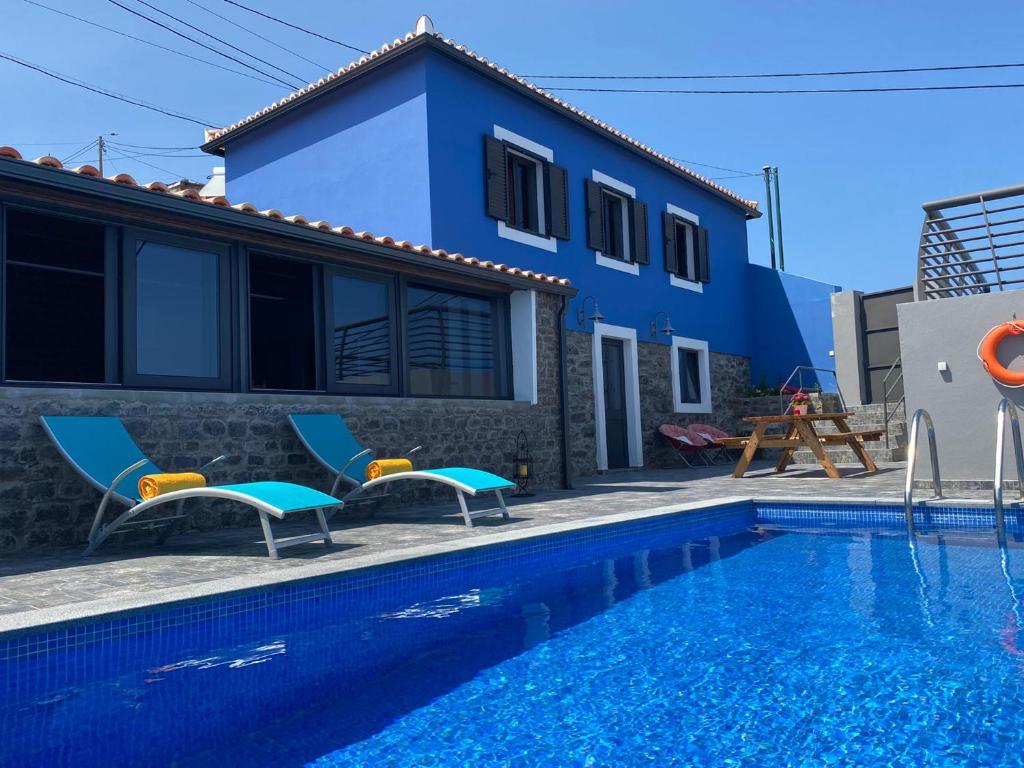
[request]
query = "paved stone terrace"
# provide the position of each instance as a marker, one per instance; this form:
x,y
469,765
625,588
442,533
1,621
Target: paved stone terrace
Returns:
x,y
124,570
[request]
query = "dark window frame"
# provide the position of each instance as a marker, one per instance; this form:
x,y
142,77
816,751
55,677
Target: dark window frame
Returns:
x,y
227,277
111,297
501,330
516,155
316,318
234,325
396,387
686,248
626,213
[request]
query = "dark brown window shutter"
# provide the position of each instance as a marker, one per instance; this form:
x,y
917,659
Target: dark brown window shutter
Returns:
x,y
703,261
595,216
668,222
641,252
496,178
558,202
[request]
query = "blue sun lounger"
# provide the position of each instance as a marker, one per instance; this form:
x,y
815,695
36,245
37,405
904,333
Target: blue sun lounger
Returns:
x,y
101,451
328,438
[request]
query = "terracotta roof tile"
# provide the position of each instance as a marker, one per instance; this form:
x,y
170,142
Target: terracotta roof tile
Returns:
x,y
215,134
48,161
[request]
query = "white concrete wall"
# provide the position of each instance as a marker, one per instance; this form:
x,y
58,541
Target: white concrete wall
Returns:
x,y
963,400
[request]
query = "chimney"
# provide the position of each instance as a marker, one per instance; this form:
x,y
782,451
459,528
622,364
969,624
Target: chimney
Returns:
x,y
215,186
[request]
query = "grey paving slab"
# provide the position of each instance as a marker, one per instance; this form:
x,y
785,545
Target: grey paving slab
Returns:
x,y
132,573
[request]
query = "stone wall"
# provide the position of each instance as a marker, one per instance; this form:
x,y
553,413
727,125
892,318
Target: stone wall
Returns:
x,y
730,379
44,503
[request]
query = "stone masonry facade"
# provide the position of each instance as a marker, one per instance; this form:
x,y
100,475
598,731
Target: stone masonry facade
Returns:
x,y
730,380
44,503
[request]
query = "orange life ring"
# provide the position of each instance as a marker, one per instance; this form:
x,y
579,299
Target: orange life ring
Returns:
x,y
987,354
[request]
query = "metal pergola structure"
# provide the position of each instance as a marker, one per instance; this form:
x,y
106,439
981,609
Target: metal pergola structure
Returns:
x,y
972,244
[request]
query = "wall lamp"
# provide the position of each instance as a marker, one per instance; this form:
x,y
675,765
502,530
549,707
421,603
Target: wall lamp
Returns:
x,y
667,328
582,316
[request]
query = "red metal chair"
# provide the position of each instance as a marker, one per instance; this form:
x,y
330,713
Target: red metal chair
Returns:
x,y
711,434
685,442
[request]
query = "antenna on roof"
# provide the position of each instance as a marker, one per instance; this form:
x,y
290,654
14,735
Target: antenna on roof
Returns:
x,y
424,25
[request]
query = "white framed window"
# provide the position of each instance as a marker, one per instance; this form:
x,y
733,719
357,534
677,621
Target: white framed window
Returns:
x,y
691,375
616,224
682,246
526,192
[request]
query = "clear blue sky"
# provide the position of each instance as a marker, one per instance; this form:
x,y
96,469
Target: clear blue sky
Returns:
x,y
854,168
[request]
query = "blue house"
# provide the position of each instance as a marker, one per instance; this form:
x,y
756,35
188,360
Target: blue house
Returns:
x,y
427,140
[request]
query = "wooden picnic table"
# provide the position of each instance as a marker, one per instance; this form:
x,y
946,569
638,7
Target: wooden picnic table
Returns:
x,y
800,432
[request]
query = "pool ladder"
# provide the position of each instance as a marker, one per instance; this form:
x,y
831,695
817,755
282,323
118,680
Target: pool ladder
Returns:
x,y
908,489
1006,410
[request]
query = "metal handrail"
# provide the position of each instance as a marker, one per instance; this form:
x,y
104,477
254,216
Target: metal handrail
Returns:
x,y
1007,408
908,489
799,371
888,390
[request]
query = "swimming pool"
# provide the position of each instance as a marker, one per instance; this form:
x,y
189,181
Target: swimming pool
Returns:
x,y
767,634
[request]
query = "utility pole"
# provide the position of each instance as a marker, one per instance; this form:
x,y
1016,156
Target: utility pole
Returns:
x,y
778,218
99,144
768,207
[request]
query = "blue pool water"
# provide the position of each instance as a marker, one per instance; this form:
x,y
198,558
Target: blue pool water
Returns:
x,y
769,636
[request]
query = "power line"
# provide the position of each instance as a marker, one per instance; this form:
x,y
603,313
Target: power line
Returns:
x,y
261,37
143,162
172,30
905,89
716,167
76,153
152,44
127,153
220,40
826,73
144,146
104,92
295,26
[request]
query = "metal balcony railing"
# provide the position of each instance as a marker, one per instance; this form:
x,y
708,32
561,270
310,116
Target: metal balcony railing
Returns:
x,y
972,244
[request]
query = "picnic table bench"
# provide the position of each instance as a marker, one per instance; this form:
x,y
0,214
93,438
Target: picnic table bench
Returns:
x,y
800,433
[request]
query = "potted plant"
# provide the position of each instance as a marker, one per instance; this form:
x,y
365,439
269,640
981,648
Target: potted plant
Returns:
x,y
799,403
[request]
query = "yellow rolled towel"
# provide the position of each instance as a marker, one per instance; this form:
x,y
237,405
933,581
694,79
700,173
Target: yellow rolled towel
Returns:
x,y
151,486
381,467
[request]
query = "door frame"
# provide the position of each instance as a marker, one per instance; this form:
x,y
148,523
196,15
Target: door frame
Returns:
x,y
634,435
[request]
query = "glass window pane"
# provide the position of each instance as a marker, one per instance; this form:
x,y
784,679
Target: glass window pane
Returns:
x,y
613,226
451,343
177,311
55,299
684,251
281,329
361,330
689,376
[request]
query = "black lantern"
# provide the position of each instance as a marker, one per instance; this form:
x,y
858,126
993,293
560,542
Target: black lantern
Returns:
x,y
522,465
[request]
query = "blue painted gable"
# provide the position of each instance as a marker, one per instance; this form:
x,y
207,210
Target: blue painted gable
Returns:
x,y
356,156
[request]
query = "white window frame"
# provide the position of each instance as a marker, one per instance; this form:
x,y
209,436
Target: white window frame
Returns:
x,y
523,330
634,435
704,360
691,253
517,235
627,265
